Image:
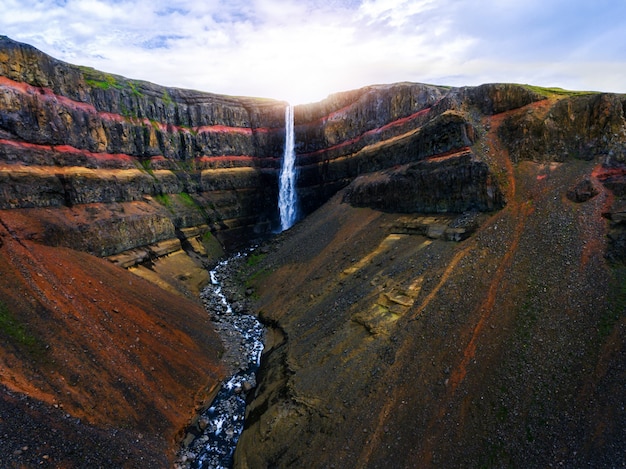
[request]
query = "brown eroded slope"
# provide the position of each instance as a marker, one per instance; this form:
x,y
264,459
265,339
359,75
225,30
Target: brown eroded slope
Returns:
x,y
506,349
82,335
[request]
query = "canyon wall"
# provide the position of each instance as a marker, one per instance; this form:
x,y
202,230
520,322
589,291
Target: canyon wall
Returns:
x,y
461,308
85,137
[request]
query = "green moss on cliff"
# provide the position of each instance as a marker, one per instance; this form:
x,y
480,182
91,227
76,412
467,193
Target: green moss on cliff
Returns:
x,y
556,91
98,79
164,200
106,81
14,329
188,200
167,99
19,334
254,259
146,165
212,246
617,304
134,89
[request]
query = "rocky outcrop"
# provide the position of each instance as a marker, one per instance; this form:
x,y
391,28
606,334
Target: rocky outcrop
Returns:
x,y
497,98
454,183
582,126
368,130
577,126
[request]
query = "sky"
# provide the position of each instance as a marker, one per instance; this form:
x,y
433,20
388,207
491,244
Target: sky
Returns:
x,y
301,51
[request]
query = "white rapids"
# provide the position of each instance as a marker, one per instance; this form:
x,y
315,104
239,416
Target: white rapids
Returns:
x,y
222,423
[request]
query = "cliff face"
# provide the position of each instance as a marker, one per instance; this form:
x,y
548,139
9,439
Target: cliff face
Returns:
x,y
146,162
414,306
385,126
83,137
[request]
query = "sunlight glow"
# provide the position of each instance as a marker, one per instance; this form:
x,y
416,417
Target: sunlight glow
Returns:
x,y
302,51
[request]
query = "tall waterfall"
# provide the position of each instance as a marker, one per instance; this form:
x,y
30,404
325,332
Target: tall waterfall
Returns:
x,y
287,197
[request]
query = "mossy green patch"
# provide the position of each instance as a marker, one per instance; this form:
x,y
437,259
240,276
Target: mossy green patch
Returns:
x,y
126,111
101,80
555,91
164,200
212,246
166,98
134,89
106,81
146,165
617,303
19,334
254,259
187,200
185,165
12,328
254,279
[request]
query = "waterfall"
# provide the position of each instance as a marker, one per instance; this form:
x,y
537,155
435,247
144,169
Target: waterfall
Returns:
x,y
287,197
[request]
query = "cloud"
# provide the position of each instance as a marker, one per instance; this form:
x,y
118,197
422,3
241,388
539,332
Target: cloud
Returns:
x,y
304,50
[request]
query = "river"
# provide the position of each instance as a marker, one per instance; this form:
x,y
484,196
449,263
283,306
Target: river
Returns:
x,y
220,426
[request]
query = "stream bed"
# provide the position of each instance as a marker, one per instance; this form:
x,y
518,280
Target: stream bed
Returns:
x,y
219,427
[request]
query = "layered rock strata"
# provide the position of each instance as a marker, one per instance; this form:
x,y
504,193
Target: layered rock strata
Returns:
x,y
466,215
166,159
84,137
383,126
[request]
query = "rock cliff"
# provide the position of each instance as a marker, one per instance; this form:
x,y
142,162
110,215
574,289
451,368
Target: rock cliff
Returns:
x,y
414,308
85,137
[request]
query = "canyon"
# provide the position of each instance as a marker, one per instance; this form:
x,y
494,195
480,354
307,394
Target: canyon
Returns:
x,y
452,295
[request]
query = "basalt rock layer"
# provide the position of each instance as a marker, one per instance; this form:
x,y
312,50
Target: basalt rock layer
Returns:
x,y
413,315
84,137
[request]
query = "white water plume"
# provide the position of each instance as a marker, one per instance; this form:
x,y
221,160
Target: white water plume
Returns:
x,y
287,197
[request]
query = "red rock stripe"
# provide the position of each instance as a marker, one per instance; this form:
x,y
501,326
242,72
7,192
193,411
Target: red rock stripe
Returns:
x,y
46,94
602,173
449,154
225,158
222,129
68,149
390,125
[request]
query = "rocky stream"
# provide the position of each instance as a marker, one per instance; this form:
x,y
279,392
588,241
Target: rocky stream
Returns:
x,y
211,442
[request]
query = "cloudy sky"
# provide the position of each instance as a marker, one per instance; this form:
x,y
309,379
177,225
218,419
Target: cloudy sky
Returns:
x,y
303,50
